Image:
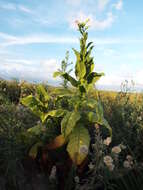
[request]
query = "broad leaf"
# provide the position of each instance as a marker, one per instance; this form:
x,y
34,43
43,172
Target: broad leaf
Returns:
x,y
42,93
89,44
78,145
56,143
34,149
70,79
36,130
69,122
57,73
54,113
34,104
94,77
80,65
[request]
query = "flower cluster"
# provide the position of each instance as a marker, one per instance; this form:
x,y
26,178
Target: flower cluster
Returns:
x,y
107,141
109,162
116,149
128,163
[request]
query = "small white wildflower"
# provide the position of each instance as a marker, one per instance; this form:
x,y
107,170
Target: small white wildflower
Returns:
x,y
53,173
116,149
129,158
140,118
91,166
122,146
126,164
108,160
107,141
93,145
76,179
83,149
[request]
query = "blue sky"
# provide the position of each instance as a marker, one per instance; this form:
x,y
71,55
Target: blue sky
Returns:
x,y
34,36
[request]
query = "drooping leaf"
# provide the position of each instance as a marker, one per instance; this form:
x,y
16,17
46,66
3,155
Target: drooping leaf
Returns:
x,y
54,113
89,51
56,143
78,145
34,149
70,79
89,44
57,73
34,104
69,122
94,77
36,130
42,93
92,117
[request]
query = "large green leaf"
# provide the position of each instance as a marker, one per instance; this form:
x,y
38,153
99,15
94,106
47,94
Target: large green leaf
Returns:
x,y
78,145
34,149
42,93
36,130
69,122
57,73
34,104
62,92
54,113
81,69
70,79
80,65
89,44
94,77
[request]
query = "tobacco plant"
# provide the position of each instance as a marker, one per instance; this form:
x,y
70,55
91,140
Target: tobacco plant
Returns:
x,y
81,112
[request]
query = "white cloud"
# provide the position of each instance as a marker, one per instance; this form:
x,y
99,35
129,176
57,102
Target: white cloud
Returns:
x,y
24,9
9,40
101,25
29,69
138,77
102,4
13,7
42,38
118,5
74,2
19,61
8,6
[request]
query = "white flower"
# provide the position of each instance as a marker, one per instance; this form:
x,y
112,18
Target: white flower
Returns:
x,y
140,118
108,160
83,149
76,179
129,158
126,164
116,149
107,141
93,145
53,173
122,146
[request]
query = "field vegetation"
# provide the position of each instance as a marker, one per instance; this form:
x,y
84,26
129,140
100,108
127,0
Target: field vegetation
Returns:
x,y
73,136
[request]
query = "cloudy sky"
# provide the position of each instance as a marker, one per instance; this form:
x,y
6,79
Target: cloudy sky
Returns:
x,y
34,36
